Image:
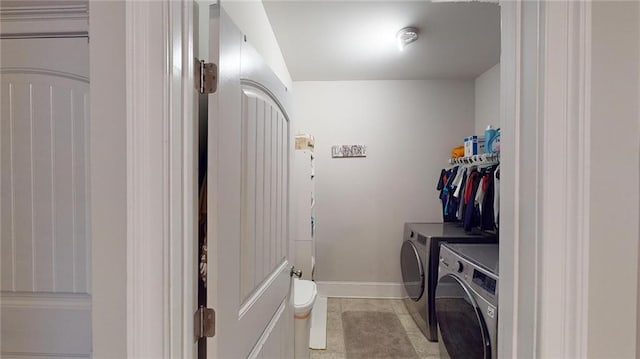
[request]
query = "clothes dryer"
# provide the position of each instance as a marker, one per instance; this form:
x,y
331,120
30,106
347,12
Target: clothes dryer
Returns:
x,y
419,264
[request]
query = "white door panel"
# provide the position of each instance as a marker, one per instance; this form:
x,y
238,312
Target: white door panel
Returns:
x,y
264,159
44,218
45,279
248,202
275,341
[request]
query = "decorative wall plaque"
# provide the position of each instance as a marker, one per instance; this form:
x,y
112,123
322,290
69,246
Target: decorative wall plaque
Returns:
x,y
345,151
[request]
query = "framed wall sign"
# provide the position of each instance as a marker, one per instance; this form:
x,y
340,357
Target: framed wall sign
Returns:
x,y
346,151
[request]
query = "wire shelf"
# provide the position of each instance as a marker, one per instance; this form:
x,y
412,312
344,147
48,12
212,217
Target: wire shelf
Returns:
x,y
482,159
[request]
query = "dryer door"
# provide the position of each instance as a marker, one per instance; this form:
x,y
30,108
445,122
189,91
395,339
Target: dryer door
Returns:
x,y
412,270
462,332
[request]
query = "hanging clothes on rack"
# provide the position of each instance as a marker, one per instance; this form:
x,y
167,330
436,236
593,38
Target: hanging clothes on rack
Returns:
x,y
459,193
471,215
445,186
442,181
469,194
487,219
451,209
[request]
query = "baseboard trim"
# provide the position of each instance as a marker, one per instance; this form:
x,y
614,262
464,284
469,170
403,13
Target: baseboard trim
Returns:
x,y
362,289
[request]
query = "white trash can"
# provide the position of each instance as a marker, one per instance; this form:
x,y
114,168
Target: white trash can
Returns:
x,y
304,295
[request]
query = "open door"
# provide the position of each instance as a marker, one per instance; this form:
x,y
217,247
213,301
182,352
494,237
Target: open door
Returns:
x,y
249,149
45,281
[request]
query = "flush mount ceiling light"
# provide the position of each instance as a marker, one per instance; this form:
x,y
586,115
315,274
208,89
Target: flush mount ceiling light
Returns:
x,y
406,36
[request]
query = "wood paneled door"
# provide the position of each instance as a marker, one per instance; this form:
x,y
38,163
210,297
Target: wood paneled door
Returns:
x,y
45,268
249,279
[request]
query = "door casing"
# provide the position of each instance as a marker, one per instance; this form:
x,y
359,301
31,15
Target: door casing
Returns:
x,y
527,27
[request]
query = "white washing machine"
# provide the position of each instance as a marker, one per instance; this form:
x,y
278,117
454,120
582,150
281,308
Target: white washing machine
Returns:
x,y
466,301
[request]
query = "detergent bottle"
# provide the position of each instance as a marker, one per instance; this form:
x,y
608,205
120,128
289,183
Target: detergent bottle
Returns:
x,y
490,136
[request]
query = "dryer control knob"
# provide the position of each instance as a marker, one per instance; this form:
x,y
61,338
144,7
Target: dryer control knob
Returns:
x,y
459,267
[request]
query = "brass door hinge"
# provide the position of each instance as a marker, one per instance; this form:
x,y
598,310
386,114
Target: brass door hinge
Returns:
x,y
205,77
204,323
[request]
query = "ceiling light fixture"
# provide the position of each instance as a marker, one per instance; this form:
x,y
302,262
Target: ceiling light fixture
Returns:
x,y
406,36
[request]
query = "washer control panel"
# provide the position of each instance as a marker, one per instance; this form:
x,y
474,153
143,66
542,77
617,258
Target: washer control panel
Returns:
x,y
483,282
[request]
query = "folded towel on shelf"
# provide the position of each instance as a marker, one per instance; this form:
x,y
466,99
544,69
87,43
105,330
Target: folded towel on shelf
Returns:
x,y
457,152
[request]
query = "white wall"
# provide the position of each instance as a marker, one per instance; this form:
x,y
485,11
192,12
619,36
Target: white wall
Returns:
x,y
252,20
487,87
613,275
108,186
362,204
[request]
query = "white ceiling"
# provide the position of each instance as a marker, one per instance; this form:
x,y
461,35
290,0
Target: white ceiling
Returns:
x,y
355,40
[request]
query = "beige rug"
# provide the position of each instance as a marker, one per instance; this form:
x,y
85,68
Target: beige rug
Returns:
x,y
375,335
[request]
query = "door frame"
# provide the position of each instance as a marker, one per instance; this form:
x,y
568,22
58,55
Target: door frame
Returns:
x,y
536,305
545,119
162,191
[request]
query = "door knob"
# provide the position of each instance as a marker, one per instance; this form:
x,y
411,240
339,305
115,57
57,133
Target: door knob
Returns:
x,y
295,272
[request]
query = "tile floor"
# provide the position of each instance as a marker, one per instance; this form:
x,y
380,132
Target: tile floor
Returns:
x,y
335,336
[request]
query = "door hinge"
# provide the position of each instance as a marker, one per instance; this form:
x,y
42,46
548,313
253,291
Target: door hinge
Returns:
x,y
205,77
204,323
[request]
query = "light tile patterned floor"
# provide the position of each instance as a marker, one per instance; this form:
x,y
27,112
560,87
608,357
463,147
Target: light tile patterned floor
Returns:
x,y
335,335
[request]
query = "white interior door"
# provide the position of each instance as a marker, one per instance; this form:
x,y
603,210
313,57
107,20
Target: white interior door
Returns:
x,y
45,278
248,201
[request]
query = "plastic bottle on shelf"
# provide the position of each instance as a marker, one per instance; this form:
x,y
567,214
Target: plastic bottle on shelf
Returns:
x,y
490,135
495,145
